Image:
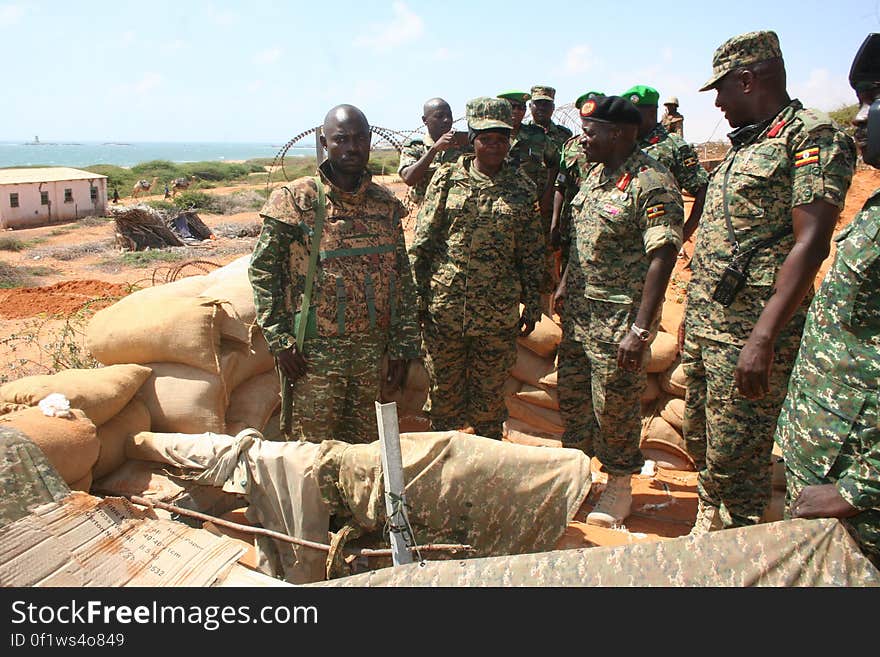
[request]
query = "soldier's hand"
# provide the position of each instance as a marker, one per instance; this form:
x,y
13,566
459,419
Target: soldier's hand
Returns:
x,y
396,376
445,142
753,369
630,353
526,323
822,502
292,363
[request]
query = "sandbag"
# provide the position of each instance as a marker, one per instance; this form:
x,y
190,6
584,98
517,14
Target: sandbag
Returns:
x,y
157,328
673,380
240,362
511,386
253,402
69,443
549,380
188,286
541,419
236,297
530,367
100,393
417,375
272,429
652,389
673,412
83,484
518,426
413,423
184,399
663,350
656,428
115,431
539,397
671,316
545,339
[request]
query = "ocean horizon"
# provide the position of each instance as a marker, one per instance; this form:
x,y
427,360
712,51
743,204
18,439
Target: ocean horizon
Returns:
x,y
128,154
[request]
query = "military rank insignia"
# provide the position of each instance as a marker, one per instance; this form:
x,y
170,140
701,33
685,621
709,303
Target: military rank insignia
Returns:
x,y
654,140
690,161
588,108
623,182
806,156
656,211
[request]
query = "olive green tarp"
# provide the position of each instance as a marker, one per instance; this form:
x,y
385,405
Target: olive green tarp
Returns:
x,y
786,553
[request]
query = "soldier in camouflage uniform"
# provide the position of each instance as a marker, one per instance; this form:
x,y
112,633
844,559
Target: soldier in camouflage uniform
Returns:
x,y
672,119
672,151
476,256
572,168
626,231
829,426
541,105
421,155
363,299
788,171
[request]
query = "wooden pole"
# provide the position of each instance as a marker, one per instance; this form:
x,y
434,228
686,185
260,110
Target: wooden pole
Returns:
x,y
392,468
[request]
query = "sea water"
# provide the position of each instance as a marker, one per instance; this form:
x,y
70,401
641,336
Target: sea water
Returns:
x,y
126,154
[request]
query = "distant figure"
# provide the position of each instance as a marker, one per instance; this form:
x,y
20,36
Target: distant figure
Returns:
x,y
142,186
672,119
116,195
167,191
181,183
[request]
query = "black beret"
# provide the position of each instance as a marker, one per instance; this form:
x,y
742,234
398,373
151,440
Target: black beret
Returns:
x,y
611,109
865,69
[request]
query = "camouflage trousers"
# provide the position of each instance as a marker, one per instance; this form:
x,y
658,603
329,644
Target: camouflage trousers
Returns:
x,y
467,378
730,437
600,404
845,440
335,400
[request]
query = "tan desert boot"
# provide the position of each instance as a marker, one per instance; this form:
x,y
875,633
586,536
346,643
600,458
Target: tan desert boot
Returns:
x,y
614,504
708,519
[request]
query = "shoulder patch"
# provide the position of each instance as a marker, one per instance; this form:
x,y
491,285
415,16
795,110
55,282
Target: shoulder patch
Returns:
x,y
813,119
806,156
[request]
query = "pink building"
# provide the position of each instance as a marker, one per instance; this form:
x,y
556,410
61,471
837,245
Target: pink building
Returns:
x,y
35,197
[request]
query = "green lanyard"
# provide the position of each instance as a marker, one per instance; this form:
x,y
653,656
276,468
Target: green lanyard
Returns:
x,y
320,211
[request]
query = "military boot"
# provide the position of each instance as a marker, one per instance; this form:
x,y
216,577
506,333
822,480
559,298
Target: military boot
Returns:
x,y
708,519
614,504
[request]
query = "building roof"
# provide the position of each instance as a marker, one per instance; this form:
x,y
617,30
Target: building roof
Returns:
x,y
45,174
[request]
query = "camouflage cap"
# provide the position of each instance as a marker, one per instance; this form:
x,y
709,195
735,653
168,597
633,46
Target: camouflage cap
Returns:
x,y
587,96
543,92
518,96
672,100
742,50
484,113
642,95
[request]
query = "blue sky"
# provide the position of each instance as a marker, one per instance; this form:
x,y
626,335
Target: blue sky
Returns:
x,y
265,71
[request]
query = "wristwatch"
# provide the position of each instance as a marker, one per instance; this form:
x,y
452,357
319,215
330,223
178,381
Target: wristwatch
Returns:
x,y
641,334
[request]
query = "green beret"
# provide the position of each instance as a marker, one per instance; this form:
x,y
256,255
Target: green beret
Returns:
x,y
742,50
642,95
520,96
587,96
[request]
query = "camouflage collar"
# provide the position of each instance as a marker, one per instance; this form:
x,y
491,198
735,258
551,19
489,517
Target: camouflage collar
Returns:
x,y
748,134
363,184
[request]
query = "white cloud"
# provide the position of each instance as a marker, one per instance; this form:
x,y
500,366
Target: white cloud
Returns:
x,y
404,27
267,56
441,55
172,46
823,91
578,59
255,86
10,14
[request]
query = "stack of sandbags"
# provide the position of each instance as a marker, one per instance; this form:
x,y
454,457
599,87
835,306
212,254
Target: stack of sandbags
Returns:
x,y
108,409
530,391
196,336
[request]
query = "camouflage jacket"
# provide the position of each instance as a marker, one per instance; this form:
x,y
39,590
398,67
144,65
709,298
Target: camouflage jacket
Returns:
x,y
363,282
478,251
678,156
26,476
414,150
534,152
558,134
833,392
798,157
618,218
674,123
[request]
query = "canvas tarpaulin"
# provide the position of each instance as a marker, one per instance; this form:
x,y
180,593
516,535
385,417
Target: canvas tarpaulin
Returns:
x,y
786,553
498,497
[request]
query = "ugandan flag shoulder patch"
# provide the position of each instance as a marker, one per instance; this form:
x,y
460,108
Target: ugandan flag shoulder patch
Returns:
x,y
656,211
806,156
